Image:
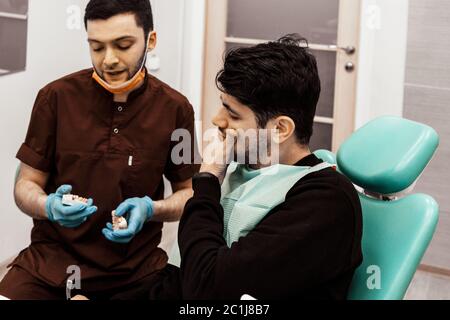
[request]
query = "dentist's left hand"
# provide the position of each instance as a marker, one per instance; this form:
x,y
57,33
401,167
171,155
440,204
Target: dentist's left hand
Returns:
x,y
140,210
67,216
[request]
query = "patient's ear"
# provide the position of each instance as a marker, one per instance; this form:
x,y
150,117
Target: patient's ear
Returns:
x,y
285,127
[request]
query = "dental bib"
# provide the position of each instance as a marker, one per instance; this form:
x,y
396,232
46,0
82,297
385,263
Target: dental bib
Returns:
x,y
249,195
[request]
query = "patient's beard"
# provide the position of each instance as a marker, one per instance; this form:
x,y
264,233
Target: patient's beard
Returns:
x,y
259,153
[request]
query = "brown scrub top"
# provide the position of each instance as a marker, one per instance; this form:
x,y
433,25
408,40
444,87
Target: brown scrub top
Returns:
x,y
107,151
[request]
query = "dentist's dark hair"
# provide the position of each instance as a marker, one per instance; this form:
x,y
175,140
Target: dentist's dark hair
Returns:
x,y
105,9
274,79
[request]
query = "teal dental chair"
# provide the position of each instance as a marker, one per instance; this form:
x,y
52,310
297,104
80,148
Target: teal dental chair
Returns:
x,y
384,159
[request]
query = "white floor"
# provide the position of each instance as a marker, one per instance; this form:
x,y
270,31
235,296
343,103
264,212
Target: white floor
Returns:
x,y
429,286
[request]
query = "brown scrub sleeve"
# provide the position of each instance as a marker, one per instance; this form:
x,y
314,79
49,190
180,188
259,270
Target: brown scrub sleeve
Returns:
x,y
184,171
39,147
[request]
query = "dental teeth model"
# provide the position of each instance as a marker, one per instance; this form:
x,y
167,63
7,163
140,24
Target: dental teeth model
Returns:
x,y
119,223
71,199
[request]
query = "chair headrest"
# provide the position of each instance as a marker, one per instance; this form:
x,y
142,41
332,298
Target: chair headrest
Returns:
x,y
388,154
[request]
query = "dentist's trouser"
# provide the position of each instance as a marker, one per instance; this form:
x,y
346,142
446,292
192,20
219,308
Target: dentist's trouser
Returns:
x,y
18,284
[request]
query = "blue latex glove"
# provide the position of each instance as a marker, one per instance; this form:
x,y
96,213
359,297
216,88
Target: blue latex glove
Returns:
x,y
67,216
139,210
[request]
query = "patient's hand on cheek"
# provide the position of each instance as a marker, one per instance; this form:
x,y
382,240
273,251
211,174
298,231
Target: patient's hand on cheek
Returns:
x,y
219,153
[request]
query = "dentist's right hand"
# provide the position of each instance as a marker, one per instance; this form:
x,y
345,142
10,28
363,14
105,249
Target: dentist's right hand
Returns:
x,y
67,216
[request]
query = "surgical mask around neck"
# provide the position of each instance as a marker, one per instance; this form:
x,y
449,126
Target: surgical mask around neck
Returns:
x,y
129,85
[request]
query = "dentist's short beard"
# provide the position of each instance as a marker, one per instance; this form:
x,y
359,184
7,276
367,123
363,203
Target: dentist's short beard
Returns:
x,y
137,67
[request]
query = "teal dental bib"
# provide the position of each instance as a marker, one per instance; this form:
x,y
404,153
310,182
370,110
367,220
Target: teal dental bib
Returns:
x,y
249,195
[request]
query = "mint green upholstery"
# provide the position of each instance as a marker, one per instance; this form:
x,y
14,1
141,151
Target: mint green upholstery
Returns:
x,y
326,156
387,154
386,157
395,237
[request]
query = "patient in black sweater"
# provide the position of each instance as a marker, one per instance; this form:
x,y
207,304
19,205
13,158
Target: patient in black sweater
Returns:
x,y
307,247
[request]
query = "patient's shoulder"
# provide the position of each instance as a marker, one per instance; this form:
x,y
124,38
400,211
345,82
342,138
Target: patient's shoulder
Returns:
x,y
326,185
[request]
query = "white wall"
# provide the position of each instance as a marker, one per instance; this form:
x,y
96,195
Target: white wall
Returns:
x,y
168,19
54,50
193,52
186,68
382,57
180,25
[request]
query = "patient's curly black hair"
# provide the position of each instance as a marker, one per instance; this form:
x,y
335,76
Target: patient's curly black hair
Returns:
x,y
273,79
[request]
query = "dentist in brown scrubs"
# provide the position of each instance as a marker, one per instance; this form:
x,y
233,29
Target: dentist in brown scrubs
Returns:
x,y
105,134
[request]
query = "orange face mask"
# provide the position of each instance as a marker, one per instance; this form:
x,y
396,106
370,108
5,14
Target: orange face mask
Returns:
x,y
122,88
128,85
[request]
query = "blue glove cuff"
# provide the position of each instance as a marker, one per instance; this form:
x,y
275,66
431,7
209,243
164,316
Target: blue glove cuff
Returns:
x,y
48,209
149,202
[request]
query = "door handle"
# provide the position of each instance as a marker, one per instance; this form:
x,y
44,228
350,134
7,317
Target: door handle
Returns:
x,y
348,49
314,46
13,16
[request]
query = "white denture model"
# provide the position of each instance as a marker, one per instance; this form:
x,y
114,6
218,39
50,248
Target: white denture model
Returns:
x,y
71,199
119,223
